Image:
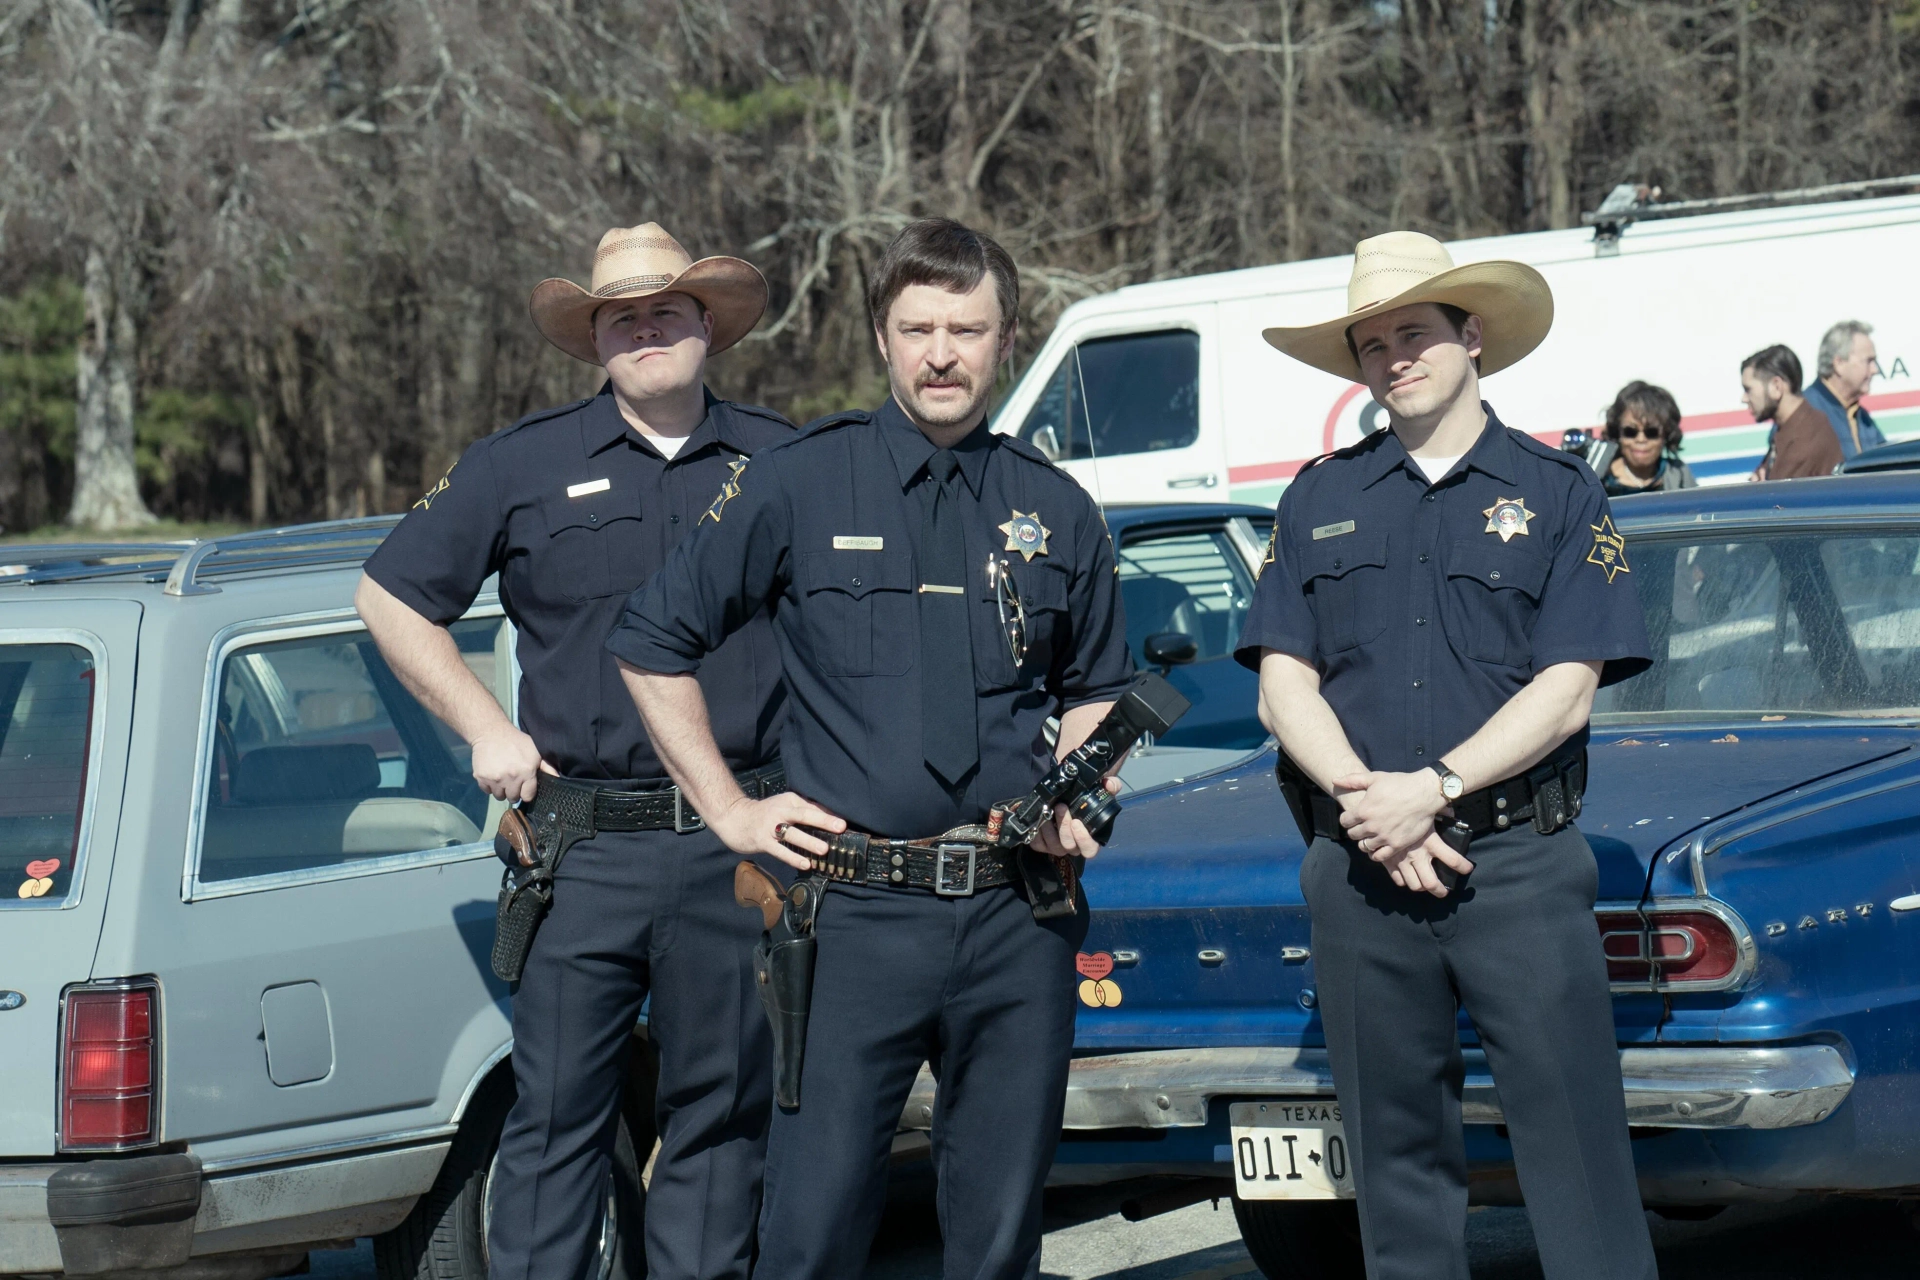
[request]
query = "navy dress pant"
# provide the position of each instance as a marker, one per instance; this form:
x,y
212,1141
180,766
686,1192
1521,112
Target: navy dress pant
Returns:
x,y
637,913
985,993
1517,945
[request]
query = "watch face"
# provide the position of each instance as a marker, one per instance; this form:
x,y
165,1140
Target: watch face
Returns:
x,y
1451,786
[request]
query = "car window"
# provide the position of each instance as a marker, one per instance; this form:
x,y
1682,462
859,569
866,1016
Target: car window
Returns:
x,y
321,757
1778,626
1192,582
46,724
1142,395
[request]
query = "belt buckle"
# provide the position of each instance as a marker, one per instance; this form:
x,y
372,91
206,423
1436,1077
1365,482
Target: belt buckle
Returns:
x,y
681,826
946,854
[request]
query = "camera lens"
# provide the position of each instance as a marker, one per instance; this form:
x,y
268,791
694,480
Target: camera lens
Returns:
x,y
1096,809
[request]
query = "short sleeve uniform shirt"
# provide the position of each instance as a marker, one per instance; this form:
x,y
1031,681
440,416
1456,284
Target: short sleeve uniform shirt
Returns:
x,y
573,509
1425,606
824,529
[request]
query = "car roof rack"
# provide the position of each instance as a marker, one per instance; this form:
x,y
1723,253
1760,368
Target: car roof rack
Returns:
x,y
1629,203
185,566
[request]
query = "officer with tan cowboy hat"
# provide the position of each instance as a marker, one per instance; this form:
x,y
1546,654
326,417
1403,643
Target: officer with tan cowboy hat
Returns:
x,y
574,508
1439,604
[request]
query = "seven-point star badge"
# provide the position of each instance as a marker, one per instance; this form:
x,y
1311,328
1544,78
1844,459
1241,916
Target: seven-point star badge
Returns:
x,y
1609,549
1507,517
1026,535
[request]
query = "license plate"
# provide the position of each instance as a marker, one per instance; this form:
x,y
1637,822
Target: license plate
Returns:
x,y
1290,1151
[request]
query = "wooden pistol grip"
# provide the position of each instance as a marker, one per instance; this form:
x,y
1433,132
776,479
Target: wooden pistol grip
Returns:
x,y
753,887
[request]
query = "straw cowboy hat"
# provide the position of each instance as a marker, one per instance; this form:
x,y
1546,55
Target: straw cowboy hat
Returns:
x,y
1401,268
637,262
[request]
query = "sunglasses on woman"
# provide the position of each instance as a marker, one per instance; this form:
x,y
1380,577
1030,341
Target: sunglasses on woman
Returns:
x,y
1642,433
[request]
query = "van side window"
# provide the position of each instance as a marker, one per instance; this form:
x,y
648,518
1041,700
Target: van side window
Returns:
x,y
321,757
1142,396
46,719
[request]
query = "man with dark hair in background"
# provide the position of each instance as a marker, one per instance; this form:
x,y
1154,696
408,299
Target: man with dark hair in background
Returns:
x,y
1803,444
1847,364
940,591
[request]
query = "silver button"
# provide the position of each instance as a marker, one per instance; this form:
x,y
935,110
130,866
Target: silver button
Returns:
x,y
1495,575
896,876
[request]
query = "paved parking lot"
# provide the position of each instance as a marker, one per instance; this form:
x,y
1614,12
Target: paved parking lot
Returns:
x,y
1087,1239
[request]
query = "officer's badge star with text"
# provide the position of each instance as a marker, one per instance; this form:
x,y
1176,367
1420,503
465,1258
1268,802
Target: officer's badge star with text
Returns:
x,y
1609,549
1026,535
1508,517
728,492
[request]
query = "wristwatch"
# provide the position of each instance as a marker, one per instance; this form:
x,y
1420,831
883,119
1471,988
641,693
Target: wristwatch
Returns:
x,y
1452,785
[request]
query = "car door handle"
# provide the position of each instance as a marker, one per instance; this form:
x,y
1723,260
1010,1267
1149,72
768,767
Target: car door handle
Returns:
x,y
1203,480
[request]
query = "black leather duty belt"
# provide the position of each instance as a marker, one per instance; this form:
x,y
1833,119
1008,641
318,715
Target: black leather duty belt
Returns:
x,y
664,808
1548,796
948,867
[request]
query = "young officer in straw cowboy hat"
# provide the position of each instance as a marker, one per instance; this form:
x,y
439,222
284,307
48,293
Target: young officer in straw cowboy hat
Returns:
x,y
1439,604
574,508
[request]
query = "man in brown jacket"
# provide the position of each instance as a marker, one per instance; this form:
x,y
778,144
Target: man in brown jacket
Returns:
x,y
1803,443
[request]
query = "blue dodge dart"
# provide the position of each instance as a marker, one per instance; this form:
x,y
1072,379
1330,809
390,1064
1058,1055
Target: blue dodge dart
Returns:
x,y
1754,805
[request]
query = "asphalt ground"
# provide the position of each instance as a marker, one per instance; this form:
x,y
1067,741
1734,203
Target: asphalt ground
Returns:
x,y
1087,1239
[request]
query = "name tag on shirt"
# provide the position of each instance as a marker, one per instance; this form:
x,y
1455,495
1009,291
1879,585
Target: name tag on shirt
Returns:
x,y
589,486
1332,530
843,542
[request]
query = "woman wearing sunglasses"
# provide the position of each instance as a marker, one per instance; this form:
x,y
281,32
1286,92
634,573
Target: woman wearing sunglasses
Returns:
x,y
1640,452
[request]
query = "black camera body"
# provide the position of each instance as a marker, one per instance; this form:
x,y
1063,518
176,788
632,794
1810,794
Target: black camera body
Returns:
x,y
1149,706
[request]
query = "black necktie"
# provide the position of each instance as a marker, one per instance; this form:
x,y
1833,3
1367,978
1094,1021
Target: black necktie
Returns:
x,y
949,723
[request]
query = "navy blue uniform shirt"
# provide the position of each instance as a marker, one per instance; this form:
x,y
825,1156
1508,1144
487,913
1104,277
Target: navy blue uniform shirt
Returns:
x,y
826,528
574,509
1425,607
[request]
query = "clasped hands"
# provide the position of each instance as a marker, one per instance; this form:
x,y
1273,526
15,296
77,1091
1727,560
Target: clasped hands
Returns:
x,y
1390,817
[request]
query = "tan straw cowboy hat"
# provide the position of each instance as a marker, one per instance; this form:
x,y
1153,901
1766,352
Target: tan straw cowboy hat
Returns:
x,y
636,262
1401,268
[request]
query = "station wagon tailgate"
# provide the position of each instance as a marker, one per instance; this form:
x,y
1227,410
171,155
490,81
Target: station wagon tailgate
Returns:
x,y
66,703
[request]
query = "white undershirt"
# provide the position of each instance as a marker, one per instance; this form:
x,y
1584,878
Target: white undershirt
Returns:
x,y
667,445
1436,467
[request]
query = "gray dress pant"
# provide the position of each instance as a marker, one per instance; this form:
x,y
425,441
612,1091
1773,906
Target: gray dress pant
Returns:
x,y
1517,945
637,913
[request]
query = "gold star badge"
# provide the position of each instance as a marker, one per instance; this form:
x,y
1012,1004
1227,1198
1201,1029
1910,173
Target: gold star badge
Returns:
x,y
1026,535
728,492
1508,517
1609,549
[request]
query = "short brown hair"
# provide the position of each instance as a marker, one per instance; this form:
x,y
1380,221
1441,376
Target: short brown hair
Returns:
x,y
940,251
1656,408
1455,316
1776,361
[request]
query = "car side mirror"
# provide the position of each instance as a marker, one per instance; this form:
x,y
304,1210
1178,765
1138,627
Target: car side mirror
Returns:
x,y
1169,649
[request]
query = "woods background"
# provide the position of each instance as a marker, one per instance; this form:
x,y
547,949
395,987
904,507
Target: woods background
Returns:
x,y
268,260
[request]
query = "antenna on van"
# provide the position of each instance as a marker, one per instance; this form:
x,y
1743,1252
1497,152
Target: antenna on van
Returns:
x,y
1093,454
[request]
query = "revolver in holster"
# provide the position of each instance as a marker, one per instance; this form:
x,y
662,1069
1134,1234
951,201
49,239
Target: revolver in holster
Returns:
x,y
783,966
531,841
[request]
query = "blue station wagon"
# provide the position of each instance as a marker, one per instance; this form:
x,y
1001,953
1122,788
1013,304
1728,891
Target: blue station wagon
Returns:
x,y
1754,806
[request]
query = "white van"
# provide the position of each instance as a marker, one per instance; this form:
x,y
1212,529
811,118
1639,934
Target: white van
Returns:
x,y
1170,389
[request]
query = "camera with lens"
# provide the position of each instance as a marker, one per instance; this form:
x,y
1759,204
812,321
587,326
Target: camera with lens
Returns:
x,y
1149,706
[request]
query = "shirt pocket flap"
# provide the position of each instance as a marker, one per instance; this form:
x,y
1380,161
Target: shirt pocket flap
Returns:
x,y
1042,585
1498,566
1337,557
595,512
855,572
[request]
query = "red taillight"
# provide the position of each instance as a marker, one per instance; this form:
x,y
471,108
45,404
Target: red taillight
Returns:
x,y
1680,946
106,1069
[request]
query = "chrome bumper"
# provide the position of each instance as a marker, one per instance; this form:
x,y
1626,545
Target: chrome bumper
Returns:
x,y
1678,1087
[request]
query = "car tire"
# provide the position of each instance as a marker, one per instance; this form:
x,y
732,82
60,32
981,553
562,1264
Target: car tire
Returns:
x,y
1302,1239
444,1237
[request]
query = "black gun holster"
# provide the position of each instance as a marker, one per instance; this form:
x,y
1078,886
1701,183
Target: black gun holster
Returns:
x,y
532,840
783,970
1052,884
